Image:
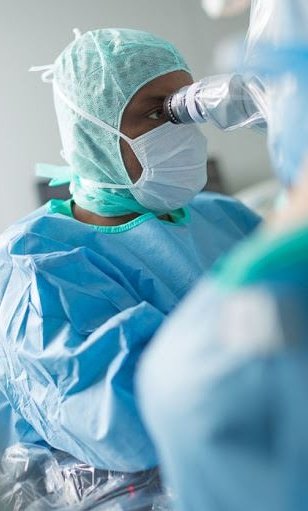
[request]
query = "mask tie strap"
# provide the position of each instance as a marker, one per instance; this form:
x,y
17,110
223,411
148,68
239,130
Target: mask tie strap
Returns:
x,y
77,33
94,185
48,72
59,174
87,116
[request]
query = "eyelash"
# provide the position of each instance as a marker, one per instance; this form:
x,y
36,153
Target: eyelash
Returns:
x,y
158,110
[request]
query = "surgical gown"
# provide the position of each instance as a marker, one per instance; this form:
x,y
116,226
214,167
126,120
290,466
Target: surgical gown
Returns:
x,y
230,420
79,303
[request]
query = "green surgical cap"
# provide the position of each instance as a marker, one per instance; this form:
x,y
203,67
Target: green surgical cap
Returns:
x,y
99,73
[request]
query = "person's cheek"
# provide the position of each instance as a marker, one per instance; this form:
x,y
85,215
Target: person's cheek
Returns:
x,y
132,164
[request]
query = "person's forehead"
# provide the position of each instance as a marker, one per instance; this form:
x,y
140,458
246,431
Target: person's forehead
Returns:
x,y
162,86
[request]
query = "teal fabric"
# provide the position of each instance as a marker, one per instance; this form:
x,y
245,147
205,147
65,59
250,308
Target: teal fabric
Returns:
x,y
78,307
99,73
179,216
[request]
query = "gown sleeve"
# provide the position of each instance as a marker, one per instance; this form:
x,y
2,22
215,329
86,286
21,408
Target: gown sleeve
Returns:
x,y
68,358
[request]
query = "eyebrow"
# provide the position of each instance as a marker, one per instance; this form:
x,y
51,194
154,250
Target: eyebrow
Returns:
x,y
147,102
155,97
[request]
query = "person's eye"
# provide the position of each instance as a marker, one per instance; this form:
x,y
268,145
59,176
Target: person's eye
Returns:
x,y
157,115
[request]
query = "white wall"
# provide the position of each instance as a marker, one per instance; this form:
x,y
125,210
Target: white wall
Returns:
x,y
33,32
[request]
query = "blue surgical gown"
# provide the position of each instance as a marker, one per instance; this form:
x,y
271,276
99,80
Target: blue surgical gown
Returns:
x,y
230,421
78,305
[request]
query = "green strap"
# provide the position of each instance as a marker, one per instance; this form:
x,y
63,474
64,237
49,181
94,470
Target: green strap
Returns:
x,y
59,174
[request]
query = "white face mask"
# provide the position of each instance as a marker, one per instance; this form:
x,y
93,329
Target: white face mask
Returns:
x,y
173,160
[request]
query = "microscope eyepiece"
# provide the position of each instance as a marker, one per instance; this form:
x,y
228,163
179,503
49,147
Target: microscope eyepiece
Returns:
x,y
169,114
175,108
226,100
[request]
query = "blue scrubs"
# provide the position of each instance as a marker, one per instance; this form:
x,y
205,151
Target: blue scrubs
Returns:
x,y
79,303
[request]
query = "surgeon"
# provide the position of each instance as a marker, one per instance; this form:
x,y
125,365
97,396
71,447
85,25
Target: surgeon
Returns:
x,y
223,387
85,283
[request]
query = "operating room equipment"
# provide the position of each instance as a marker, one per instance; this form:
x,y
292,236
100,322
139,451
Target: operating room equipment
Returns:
x,y
234,101
228,102
281,55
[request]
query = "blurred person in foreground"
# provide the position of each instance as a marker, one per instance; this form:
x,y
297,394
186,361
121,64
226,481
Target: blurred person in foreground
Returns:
x,y
230,419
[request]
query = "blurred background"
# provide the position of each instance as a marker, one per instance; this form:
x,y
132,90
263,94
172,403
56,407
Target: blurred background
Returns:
x,y
34,32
